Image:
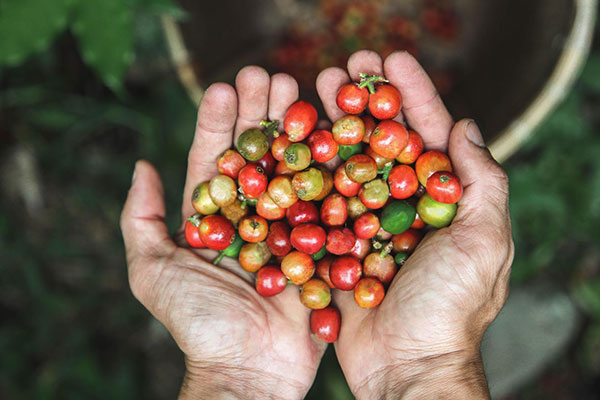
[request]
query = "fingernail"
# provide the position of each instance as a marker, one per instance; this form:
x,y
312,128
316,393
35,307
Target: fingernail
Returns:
x,y
474,134
134,173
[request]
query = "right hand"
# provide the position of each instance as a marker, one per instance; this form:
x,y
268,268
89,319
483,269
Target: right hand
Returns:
x,y
236,342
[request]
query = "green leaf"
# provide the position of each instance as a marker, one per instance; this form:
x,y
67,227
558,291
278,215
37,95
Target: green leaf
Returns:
x,y
105,32
588,297
28,26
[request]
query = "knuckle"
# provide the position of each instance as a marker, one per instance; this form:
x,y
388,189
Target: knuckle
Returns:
x,y
499,177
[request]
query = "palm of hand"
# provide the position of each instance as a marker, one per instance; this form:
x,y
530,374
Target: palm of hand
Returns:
x,y
217,318
455,282
456,276
435,306
213,312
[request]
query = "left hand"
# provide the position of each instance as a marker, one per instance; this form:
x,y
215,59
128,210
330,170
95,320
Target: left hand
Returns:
x,y
423,340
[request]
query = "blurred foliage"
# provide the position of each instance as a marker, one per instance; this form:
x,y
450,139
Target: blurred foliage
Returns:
x,y
77,108
555,185
104,29
555,212
555,189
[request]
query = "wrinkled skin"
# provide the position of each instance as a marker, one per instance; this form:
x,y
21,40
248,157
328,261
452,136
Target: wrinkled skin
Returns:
x,y
421,342
235,341
424,337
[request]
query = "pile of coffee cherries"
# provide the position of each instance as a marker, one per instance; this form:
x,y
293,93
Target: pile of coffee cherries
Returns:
x,y
279,210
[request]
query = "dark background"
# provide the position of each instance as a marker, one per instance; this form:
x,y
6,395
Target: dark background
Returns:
x,y
84,92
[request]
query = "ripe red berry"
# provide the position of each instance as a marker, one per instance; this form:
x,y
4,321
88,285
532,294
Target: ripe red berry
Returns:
x,y
431,162
230,163
301,212
253,228
345,272
192,235
300,120
298,267
348,130
444,187
322,146
279,145
385,103
352,99
268,163
413,149
361,248
278,239
340,241
389,138
407,241
315,294
381,267
334,210
216,232
322,269
308,238
270,281
253,181
403,182
366,226
369,292
268,209
343,184
325,324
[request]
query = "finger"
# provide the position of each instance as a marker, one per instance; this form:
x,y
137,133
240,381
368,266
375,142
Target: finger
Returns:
x,y
483,211
352,315
365,61
214,131
252,84
282,94
329,81
485,183
142,223
422,107
370,63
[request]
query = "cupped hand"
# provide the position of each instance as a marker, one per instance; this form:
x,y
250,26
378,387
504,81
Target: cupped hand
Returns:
x,y
236,343
423,340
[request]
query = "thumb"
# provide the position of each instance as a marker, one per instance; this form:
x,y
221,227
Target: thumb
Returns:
x,y
485,183
142,220
352,315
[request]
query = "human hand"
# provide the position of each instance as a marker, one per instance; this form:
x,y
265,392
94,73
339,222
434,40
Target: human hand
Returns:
x,y
423,340
236,342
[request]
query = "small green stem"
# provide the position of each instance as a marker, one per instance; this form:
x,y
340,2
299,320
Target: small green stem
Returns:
x,y
195,219
377,245
270,127
386,250
369,81
242,198
385,171
217,260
